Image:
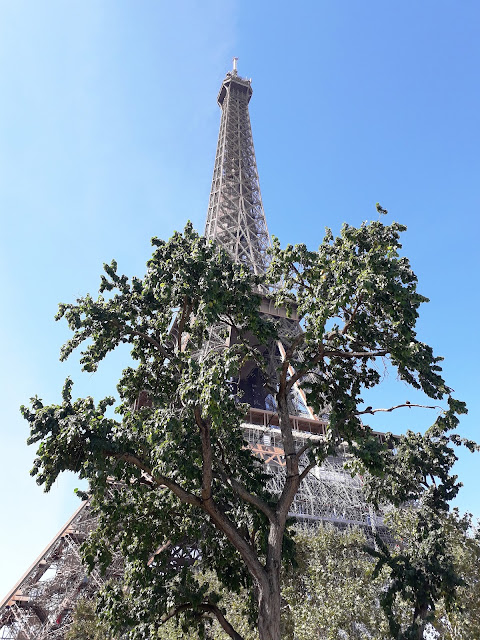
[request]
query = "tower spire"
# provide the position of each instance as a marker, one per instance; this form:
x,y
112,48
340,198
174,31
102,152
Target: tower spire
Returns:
x,y
235,218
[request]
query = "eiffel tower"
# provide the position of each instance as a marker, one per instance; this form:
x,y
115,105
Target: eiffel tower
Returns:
x,y
236,221
40,605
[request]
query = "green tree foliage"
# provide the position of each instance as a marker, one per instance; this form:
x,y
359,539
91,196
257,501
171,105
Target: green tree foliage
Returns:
x,y
423,571
332,591
175,488
462,621
86,623
457,619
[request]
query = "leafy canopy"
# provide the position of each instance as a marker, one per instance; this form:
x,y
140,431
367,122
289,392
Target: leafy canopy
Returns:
x,y
174,486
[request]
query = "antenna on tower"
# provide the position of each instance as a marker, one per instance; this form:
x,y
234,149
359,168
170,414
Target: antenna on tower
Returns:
x,y
235,65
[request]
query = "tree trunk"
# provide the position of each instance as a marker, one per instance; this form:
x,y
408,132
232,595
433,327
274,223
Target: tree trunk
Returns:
x,y
420,615
269,612
268,594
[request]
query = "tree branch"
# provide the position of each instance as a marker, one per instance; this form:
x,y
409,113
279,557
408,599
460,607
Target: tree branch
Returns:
x,y
219,519
303,372
307,470
302,450
226,626
301,280
354,313
228,320
206,607
286,355
243,546
186,310
206,455
355,354
185,496
140,334
295,343
292,481
244,494
398,406
331,353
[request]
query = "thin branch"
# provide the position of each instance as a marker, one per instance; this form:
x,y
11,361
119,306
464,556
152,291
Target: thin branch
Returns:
x,y
206,607
220,519
226,626
302,450
186,310
307,470
301,282
174,612
329,354
303,372
249,555
206,455
228,320
398,406
245,495
145,336
288,353
354,313
160,549
355,354
185,496
295,343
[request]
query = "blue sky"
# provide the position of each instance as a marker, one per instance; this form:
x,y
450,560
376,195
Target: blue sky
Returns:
x,y
108,127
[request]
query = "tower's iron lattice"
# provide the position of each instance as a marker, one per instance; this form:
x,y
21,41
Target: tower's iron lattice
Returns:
x,y
235,218
41,604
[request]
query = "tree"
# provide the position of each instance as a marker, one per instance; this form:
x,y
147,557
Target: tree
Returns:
x,y
462,621
458,620
336,590
170,477
86,625
333,593
330,592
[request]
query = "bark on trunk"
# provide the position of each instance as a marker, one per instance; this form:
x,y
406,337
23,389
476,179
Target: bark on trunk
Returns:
x,y
420,615
268,593
269,613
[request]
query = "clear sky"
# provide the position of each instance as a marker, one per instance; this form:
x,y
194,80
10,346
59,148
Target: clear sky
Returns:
x,y
108,127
